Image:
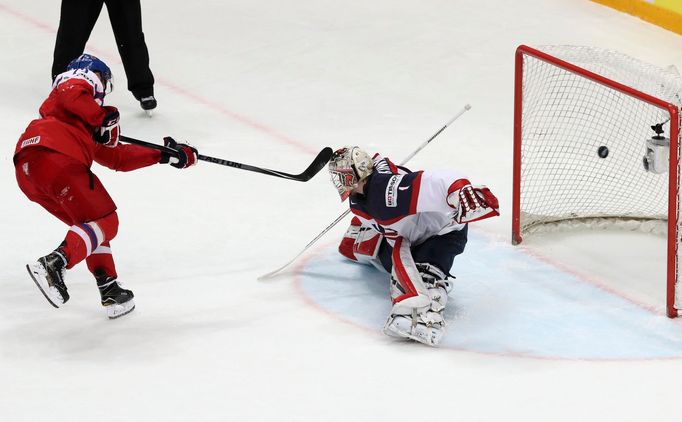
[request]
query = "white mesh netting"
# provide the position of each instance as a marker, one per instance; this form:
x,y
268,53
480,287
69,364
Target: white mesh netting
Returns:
x,y
566,118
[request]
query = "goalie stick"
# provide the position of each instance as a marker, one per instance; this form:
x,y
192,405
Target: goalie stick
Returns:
x,y
318,163
345,213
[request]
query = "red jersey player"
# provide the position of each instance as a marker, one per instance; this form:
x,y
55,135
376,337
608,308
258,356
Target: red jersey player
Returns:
x,y
52,162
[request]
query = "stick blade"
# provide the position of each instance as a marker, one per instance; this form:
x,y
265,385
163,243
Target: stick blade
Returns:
x,y
268,276
318,164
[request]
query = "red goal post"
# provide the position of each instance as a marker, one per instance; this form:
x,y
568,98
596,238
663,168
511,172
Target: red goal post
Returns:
x,y
585,149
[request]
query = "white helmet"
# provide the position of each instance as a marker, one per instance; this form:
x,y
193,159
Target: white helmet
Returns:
x,y
347,167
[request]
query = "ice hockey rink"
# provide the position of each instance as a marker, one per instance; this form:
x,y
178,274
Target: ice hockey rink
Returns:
x,y
570,326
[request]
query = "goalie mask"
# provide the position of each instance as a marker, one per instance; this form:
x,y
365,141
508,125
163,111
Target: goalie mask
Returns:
x,y
347,167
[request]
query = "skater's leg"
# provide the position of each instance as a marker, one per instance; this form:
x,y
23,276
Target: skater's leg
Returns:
x,y
117,300
68,190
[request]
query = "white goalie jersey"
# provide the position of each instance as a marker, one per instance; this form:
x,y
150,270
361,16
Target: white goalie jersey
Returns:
x,y
412,205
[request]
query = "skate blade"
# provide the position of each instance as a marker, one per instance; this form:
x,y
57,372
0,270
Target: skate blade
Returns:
x,y
34,275
149,113
119,310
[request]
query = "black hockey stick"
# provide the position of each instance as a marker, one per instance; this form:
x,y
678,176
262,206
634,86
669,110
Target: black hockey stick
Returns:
x,y
318,163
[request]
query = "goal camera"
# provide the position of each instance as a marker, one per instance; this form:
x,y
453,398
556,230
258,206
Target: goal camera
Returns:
x,y
657,151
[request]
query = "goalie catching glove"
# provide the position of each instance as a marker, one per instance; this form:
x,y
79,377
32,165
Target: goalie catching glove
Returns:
x,y
473,203
186,155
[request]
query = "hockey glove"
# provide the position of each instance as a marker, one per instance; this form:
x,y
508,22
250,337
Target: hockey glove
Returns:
x,y
186,155
108,132
473,203
360,243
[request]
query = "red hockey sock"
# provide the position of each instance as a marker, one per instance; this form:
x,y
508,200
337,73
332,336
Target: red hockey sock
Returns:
x,y
83,239
101,261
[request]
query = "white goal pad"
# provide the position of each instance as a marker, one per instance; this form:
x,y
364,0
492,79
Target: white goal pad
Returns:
x,y
597,138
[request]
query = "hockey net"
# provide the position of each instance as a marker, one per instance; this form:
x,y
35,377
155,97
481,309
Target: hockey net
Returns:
x,y
583,122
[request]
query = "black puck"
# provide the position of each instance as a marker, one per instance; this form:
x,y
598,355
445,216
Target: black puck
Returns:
x,y
603,151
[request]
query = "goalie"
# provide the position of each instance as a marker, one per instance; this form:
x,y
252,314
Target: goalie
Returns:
x,y
412,225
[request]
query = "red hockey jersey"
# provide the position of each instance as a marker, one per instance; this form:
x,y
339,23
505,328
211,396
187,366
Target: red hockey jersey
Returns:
x,y
69,117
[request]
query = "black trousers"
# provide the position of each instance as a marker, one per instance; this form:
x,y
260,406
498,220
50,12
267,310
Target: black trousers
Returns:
x,y
437,250
78,18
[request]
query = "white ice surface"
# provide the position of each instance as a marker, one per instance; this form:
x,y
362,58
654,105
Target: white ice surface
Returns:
x,y
271,83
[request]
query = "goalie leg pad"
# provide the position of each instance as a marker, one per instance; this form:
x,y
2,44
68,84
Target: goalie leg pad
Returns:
x,y
415,327
424,324
408,290
437,284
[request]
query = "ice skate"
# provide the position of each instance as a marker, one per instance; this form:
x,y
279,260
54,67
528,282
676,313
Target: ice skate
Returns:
x,y
48,274
148,104
115,299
